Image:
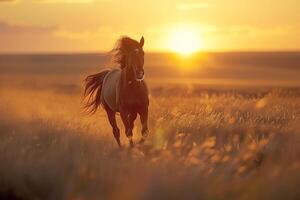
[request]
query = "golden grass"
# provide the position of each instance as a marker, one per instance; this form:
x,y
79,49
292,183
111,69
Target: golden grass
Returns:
x,y
204,144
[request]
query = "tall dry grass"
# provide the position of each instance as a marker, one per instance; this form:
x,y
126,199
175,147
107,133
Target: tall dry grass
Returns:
x,y
204,144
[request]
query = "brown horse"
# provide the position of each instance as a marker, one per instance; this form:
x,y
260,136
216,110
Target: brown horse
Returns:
x,y
121,90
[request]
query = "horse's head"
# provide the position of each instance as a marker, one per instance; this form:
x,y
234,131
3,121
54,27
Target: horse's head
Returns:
x,y
130,56
136,60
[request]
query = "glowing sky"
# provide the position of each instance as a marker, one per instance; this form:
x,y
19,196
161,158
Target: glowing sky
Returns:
x,y
94,25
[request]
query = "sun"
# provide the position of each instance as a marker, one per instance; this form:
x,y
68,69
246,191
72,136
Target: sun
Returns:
x,y
185,41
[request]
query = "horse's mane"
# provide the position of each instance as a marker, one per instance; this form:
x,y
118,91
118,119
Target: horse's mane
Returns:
x,y
123,46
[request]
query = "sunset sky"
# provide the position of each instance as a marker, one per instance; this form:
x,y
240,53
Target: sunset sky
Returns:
x,y
94,25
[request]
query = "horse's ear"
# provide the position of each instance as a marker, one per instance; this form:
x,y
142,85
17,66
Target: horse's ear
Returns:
x,y
142,41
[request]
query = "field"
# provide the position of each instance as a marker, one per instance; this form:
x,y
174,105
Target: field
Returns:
x,y
226,130
205,143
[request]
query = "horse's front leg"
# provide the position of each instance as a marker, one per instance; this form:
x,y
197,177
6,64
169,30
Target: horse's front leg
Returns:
x,y
128,121
144,121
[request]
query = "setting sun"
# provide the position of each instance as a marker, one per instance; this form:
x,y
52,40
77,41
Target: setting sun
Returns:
x,y
185,41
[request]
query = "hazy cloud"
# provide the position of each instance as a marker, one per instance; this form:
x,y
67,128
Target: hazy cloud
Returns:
x,y
9,1
6,28
84,35
192,6
64,1
50,1
29,38
248,30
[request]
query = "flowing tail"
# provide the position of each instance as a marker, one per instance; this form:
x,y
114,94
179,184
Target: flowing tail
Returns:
x,y
92,91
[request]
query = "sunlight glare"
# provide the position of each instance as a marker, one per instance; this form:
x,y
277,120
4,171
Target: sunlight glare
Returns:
x,y
185,41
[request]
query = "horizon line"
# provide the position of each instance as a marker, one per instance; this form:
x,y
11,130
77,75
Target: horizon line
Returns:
x,y
152,52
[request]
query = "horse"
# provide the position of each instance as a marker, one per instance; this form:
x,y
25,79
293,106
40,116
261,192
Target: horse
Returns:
x,y
122,90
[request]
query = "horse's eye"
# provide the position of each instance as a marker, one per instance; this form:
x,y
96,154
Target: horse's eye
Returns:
x,y
136,51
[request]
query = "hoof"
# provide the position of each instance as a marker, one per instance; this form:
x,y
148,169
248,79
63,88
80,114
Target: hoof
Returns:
x,y
142,140
144,136
119,143
120,146
130,142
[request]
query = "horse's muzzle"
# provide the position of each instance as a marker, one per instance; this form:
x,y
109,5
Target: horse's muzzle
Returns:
x,y
139,75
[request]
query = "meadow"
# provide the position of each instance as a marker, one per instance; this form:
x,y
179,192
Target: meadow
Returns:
x,y
206,142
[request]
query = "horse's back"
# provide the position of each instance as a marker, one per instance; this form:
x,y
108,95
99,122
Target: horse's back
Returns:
x,y
109,93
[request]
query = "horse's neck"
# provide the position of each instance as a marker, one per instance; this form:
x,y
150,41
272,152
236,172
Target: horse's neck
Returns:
x,y
130,85
125,81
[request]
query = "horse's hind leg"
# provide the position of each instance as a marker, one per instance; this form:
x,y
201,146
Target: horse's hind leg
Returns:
x,y
112,120
116,130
